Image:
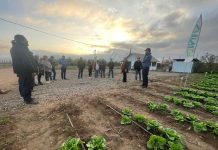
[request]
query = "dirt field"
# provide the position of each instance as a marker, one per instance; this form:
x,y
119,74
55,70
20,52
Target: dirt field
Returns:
x,y
45,126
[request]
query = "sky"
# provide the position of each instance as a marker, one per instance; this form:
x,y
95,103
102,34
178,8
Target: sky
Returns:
x,y
109,26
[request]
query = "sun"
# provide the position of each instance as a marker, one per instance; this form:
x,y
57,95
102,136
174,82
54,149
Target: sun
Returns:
x,y
118,35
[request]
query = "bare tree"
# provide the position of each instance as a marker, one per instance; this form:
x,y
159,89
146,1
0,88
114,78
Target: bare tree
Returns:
x,y
210,59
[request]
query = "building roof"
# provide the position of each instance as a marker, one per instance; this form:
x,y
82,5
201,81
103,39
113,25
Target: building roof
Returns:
x,y
153,59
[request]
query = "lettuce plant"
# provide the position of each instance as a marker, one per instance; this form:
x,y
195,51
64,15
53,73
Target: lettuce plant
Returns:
x,y
156,143
96,143
71,144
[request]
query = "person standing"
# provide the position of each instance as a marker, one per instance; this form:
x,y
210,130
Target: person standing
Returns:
x,y
124,69
81,65
90,65
146,65
103,67
53,64
63,64
24,66
96,67
111,69
137,68
48,68
41,71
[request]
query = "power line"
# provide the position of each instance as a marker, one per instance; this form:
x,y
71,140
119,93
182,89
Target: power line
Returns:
x,y
51,34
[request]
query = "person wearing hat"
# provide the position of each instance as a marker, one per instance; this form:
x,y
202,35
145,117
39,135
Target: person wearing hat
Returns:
x,y
137,68
146,65
24,65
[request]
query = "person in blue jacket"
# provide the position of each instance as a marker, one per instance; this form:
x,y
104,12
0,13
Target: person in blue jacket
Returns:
x,y
24,65
146,63
63,64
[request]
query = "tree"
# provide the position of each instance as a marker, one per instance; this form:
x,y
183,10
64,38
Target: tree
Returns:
x,y
210,59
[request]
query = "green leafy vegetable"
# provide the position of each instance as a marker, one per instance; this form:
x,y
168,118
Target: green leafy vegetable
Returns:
x,y
71,144
96,143
139,118
192,118
125,120
152,124
163,107
188,105
175,146
127,111
171,135
215,112
156,142
152,106
199,126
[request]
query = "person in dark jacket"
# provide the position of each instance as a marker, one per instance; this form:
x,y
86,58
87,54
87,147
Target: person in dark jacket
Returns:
x,y
63,64
111,69
124,69
24,65
137,68
53,64
90,68
102,68
81,65
146,66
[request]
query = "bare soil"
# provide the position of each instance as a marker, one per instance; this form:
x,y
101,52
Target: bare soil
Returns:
x,y
46,126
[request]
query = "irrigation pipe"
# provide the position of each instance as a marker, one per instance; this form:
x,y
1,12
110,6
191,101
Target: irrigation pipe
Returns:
x,y
132,120
83,147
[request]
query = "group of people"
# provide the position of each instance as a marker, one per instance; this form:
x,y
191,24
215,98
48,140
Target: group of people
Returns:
x,y
98,67
27,66
139,65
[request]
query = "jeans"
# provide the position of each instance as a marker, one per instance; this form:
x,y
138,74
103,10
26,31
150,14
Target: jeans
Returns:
x,y
96,73
26,83
63,72
138,72
145,72
80,74
111,73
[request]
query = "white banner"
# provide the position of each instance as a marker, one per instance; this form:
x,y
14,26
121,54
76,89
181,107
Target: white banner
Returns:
x,y
193,41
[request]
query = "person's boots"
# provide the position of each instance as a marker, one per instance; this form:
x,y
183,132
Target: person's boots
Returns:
x,y
30,100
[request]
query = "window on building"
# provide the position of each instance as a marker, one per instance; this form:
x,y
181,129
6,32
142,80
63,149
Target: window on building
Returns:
x,y
153,64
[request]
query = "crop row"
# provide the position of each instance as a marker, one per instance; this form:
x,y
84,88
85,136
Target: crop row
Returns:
x,y
200,87
197,124
161,138
209,105
200,92
210,83
95,143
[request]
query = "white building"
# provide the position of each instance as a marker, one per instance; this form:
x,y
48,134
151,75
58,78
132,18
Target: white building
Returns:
x,y
132,57
179,65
